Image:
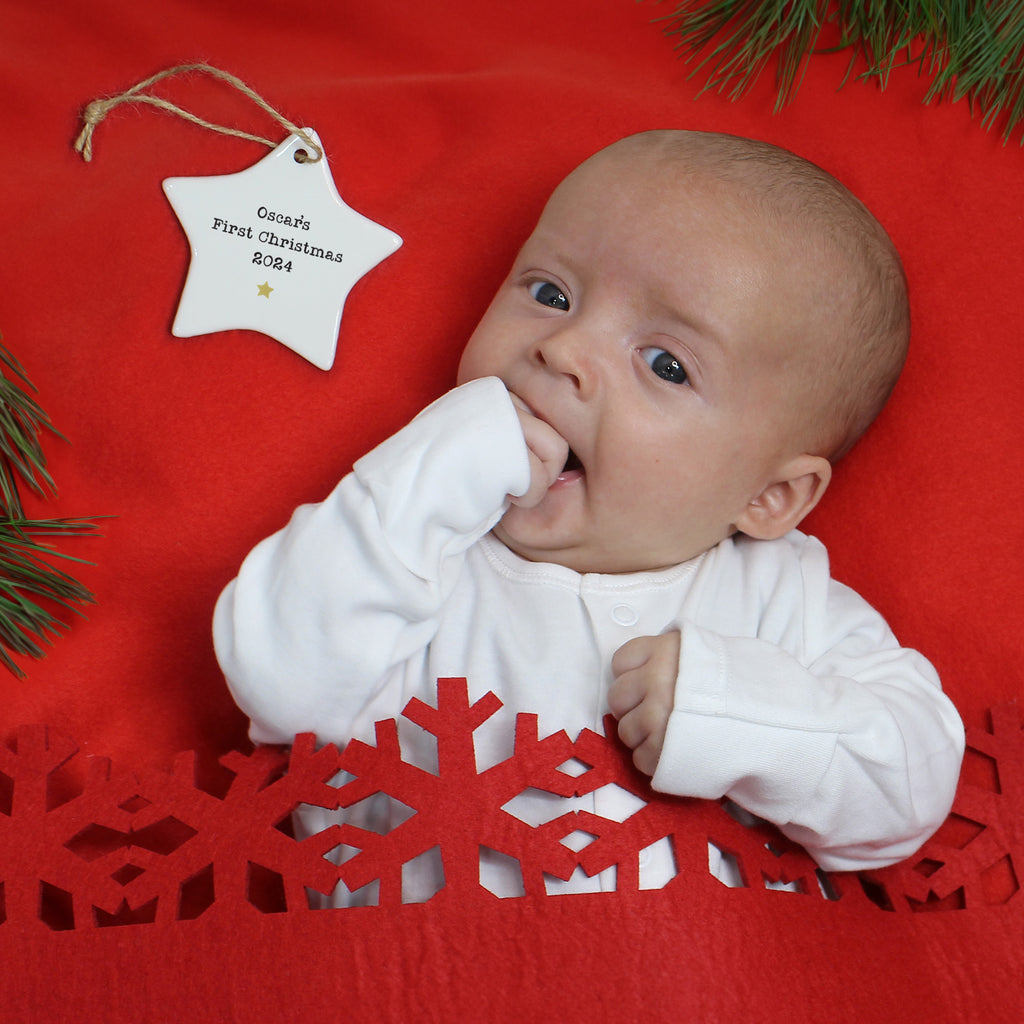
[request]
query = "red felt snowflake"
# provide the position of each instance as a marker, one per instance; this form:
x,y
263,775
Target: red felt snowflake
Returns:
x,y
235,849
82,846
58,853
975,858
458,809
761,852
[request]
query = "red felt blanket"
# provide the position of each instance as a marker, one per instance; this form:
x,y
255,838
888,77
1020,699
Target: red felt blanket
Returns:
x,y
449,122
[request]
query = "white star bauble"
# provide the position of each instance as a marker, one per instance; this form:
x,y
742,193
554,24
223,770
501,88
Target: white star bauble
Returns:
x,y
274,249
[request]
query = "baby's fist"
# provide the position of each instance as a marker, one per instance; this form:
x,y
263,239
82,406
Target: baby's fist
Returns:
x,y
548,451
641,697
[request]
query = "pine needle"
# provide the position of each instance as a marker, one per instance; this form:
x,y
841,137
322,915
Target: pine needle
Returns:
x,y
29,583
971,50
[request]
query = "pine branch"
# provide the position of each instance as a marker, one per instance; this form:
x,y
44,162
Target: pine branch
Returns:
x,y
21,423
748,35
26,575
971,50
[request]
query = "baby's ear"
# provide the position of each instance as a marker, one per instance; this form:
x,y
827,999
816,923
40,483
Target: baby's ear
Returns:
x,y
782,505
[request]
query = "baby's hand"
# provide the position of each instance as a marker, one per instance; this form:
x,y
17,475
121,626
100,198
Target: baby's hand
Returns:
x,y
641,697
548,451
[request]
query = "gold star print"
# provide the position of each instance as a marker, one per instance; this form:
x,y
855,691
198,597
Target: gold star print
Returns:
x,y
264,289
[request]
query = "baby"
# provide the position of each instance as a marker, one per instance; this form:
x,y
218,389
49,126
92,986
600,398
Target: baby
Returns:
x,y
601,516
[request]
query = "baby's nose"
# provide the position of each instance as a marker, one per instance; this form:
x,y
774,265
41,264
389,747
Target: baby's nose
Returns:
x,y
568,352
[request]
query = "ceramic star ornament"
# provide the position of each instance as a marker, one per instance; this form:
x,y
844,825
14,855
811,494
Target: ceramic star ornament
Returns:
x,y
275,249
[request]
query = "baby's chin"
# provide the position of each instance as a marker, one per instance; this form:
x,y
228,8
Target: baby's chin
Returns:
x,y
534,552
518,532
575,557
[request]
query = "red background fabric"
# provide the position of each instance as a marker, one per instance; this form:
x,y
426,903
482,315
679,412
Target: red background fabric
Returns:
x,y
449,122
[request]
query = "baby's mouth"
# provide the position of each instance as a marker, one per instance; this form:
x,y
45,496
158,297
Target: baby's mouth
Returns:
x,y
572,466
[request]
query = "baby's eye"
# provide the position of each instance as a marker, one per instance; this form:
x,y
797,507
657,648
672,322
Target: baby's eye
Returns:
x,y
665,365
548,294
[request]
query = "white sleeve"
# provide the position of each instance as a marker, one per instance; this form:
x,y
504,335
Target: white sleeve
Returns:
x,y
850,747
351,587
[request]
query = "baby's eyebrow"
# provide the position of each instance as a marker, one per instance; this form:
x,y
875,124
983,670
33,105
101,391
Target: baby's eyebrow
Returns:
x,y
551,249
671,309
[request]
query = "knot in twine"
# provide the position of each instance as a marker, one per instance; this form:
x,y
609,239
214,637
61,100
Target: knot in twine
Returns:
x,y
97,110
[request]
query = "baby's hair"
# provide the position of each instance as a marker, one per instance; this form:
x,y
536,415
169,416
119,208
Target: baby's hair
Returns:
x,y
864,343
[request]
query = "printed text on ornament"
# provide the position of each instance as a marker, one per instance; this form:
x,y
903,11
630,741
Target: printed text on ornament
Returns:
x,y
268,237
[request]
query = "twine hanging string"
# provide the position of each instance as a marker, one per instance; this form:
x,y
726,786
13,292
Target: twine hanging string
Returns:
x,y
96,111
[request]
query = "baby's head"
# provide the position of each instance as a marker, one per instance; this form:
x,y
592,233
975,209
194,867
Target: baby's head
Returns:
x,y
709,322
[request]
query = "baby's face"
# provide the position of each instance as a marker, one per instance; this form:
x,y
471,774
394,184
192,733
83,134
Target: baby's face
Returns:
x,y
646,321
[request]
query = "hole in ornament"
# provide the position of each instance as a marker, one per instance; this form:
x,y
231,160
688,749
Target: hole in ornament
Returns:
x,y
342,896
778,885
875,892
657,864
365,896
725,866
6,794
535,807
301,156
343,852
163,837
265,889
927,867
423,876
956,900
146,914
624,804
577,840
96,841
501,874
574,767
740,814
317,900
127,874
580,881
827,886
378,813
309,820
196,895
56,908
418,747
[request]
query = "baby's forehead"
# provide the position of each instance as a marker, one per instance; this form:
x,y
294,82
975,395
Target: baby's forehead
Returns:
x,y
685,233
764,181
660,189
681,210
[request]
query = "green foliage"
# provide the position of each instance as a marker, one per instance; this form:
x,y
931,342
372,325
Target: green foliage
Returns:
x,y
29,585
971,50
